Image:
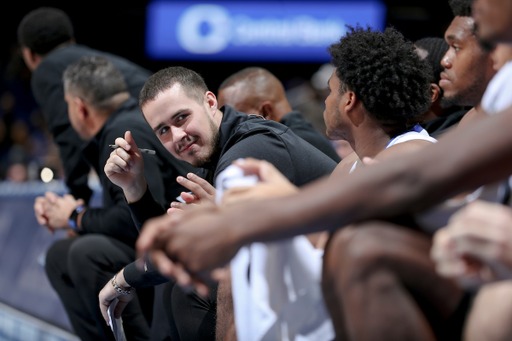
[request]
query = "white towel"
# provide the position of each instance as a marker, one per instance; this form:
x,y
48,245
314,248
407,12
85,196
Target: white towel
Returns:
x,y
276,287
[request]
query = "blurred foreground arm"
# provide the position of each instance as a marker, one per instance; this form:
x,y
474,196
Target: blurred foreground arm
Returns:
x,y
476,246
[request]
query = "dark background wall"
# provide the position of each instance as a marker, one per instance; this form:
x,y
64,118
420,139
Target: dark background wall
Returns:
x,y
119,28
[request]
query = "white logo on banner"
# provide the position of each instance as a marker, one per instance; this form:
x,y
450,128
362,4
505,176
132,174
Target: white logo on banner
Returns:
x,y
204,29
209,29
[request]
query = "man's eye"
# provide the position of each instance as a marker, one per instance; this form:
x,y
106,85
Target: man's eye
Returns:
x,y
181,117
164,130
456,48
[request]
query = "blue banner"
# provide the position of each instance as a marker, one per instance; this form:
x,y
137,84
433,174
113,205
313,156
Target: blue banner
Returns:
x,y
272,31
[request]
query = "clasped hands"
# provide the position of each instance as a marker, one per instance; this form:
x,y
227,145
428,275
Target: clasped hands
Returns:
x,y
53,211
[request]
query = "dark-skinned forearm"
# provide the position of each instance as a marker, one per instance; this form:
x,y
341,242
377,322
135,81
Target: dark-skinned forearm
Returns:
x,y
462,160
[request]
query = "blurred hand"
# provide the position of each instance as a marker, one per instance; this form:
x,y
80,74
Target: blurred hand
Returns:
x,y
187,245
476,246
125,168
272,183
58,209
39,210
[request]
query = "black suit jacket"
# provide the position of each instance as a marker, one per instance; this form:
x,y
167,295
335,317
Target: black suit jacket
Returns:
x,y
48,90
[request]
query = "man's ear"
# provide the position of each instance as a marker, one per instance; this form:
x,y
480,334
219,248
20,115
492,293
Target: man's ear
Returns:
x,y
350,101
82,109
31,58
267,110
211,101
435,92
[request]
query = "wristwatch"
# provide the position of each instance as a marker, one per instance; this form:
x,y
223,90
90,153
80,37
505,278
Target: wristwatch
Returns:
x,y
74,216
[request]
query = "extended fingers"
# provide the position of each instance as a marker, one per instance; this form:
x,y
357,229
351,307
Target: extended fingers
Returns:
x,y
104,311
116,164
51,197
122,143
174,210
154,229
105,300
205,185
448,262
178,205
39,210
201,188
189,197
170,269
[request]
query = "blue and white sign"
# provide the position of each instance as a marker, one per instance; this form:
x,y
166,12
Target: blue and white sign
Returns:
x,y
278,31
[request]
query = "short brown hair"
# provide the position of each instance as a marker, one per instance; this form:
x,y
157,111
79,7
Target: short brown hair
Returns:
x,y
193,84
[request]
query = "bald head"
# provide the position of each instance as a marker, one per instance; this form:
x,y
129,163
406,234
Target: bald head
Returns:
x,y
255,90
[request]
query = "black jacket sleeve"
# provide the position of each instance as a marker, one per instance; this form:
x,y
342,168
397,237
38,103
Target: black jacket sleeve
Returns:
x,y
144,209
49,94
143,278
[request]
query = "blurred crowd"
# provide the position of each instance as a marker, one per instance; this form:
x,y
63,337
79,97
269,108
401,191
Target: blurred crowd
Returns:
x,y
25,145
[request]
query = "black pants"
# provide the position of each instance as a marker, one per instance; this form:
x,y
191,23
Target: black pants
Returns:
x,y
78,268
191,317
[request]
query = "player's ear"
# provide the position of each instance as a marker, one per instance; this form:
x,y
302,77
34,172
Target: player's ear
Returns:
x,y
267,110
211,100
31,58
435,92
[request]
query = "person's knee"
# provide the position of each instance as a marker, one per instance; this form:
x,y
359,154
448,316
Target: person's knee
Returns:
x,y
85,250
56,258
335,249
353,254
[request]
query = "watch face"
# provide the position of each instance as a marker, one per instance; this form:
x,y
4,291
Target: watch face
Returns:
x,y
74,216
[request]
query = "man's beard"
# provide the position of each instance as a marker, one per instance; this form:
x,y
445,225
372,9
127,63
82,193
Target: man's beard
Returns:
x,y
470,96
450,102
213,146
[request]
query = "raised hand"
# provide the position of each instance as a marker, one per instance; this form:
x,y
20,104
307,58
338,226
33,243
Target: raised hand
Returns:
x,y
203,192
125,168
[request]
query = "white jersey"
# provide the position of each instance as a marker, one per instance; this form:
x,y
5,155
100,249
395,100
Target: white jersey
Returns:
x,y
497,95
415,133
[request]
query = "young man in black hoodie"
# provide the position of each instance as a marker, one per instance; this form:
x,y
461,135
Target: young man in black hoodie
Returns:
x,y
185,116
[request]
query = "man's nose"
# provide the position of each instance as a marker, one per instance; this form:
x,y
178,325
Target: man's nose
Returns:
x,y
446,62
178,133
